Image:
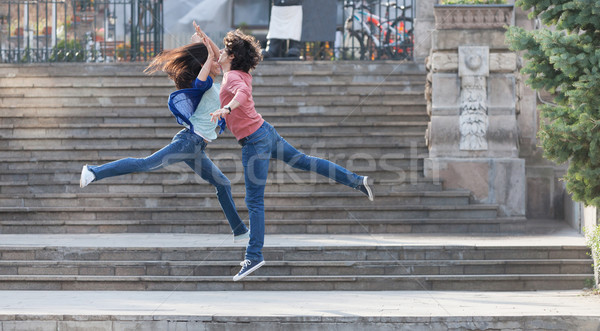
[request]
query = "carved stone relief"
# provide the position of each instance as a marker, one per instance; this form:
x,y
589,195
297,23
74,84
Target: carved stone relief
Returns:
x,y
473,68
473,120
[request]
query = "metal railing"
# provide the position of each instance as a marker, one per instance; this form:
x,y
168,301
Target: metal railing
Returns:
x,y
132,30
369,30
80,30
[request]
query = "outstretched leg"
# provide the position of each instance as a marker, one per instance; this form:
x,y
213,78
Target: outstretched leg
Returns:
x,y
255,158
207,170
290,155
180,149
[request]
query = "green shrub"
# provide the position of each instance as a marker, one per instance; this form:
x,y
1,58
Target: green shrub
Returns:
x,y
565,62
593,242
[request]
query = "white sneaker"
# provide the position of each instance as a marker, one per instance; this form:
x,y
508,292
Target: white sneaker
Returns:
x,y
365,188
248,266
86,177
242,238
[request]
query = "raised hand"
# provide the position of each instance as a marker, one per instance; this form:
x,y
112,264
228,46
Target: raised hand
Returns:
x,y
199,31
195,38
211,52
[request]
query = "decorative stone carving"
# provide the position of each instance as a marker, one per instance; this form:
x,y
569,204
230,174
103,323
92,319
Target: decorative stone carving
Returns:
x,y
473,118
472,16
473,121
503,62
473,61
442,62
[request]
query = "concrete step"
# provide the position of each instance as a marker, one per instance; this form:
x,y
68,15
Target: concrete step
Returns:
x,y
306,115
162,137
187,199
276,83
399,253
497,225
300,310
400,248
264,83
116,129
389,99
259,92
297,68
521,282
342,263
410,140
211,210
279,173
161,113
355,158
414,84
390,168
189,183
296,268
367,147
399,166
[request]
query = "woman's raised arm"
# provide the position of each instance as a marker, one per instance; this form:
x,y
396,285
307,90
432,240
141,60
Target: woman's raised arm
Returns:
x,y
203,35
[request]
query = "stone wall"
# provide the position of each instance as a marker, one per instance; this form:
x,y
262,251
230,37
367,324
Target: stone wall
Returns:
x,y
508,168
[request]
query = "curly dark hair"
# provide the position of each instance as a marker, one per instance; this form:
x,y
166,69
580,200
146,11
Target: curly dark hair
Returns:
x,y
182,64
245,49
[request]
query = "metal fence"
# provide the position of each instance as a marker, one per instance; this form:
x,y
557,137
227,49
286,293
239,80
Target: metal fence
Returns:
x,y
80,30
132,30
366,30
376,30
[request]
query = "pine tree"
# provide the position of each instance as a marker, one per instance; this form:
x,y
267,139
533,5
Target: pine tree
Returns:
x,y
565,61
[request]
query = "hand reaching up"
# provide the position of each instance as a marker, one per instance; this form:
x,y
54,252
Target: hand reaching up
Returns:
x,y
211,52
199,36
199,31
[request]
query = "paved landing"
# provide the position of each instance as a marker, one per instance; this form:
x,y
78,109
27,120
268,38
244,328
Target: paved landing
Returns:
x,y
564,237
304,303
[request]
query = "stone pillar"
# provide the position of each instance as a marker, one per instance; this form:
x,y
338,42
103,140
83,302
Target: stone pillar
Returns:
x,y
424,25
473,133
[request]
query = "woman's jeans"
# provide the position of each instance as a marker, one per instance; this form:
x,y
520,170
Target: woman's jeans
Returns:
x,y
189,148
258,149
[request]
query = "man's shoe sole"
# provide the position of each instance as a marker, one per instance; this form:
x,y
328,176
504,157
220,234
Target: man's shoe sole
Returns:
x,y
239,277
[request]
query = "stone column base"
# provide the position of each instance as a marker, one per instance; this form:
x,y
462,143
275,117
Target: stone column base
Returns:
x,y
491,180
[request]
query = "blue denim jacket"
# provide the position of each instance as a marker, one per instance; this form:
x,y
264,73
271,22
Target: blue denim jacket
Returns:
x,y
183,103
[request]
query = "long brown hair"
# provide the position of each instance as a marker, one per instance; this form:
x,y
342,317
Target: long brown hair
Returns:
x,y
181,64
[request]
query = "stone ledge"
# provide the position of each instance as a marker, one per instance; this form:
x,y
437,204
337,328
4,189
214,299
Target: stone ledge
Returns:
x,y
448,62
268,323
452,39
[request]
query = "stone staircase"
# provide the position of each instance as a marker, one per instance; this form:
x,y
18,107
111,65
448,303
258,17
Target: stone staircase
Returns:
x,y
317,263
368,118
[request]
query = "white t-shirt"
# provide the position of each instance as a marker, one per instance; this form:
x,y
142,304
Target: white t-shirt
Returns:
x,y
201,120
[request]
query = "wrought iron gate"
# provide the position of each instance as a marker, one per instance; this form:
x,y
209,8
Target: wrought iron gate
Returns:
x,y
80,30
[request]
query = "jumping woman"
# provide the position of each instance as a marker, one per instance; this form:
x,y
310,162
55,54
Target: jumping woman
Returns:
x,y
192,69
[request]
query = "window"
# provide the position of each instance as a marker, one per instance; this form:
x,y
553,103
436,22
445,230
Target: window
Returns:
x,y
251,13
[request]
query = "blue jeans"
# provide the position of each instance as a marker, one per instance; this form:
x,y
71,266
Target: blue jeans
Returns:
x,y
185,147
262,145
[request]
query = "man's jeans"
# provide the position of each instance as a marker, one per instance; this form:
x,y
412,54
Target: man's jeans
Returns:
x,y
259,148
189,148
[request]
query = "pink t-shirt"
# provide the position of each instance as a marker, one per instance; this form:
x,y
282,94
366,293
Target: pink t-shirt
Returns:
x,y
243,120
